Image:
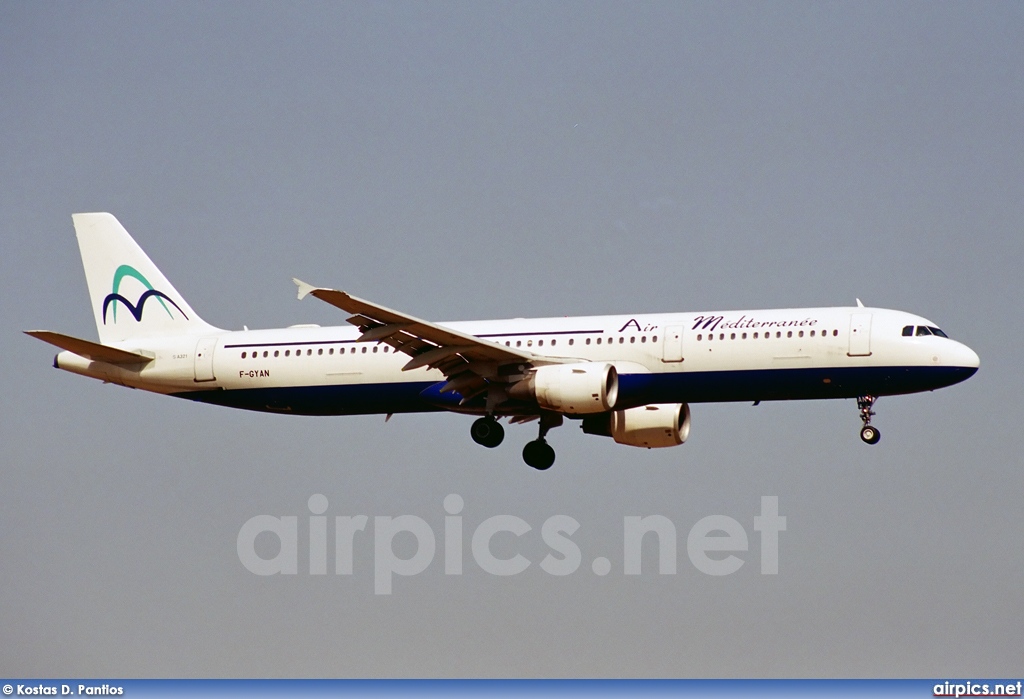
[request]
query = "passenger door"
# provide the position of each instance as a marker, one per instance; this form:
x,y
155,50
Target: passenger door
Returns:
x,y
860,335
672,349
204,359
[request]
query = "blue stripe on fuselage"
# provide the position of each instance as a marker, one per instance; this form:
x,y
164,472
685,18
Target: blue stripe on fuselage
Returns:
x,y
634,389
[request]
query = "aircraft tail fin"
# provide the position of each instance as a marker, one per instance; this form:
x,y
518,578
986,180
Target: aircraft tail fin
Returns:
x,y
130,296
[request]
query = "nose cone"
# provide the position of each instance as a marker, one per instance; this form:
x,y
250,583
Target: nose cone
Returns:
x,y
965,357
963,361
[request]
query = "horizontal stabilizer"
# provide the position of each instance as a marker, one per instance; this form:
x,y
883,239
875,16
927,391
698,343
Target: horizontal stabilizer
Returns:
x,y
90,350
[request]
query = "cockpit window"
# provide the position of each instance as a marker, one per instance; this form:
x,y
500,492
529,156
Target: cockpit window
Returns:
x,y
921,330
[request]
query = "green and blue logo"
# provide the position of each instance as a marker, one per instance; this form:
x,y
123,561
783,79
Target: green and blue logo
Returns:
x,y
114,296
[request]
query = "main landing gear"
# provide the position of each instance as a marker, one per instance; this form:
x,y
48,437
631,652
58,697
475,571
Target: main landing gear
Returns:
x,y
488,432
539,453
869,434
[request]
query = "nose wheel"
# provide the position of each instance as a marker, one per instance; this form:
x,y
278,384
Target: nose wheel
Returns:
x,y
869,434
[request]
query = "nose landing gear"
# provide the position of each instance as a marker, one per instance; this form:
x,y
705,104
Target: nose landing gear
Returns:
x,y
869,434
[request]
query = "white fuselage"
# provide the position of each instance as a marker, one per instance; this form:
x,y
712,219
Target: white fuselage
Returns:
x,y
686,357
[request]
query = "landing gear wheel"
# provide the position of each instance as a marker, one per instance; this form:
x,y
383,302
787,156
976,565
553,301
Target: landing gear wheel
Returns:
x,y
538,454
870,434
487,432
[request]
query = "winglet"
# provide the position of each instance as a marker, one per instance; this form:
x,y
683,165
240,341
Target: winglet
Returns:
x,y
304,288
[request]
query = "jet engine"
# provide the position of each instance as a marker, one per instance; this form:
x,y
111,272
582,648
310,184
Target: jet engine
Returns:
x,y
651,426
575,389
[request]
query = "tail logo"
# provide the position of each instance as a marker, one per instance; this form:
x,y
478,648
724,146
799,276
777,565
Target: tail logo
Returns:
x,y
114,296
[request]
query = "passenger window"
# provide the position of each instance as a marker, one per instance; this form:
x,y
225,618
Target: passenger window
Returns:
x,y
908,330
755,336
721,336
654,339
599,340
699,337
643,338
375,350
330,351
287,353
800,334
540,343
744,336
243,355
733,336
519,343
364,350
553,342
588,340
621,340
277,353
632,340
570,341
835,333
320,351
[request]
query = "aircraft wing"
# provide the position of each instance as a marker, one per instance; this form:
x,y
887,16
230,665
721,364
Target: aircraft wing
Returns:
x,y
467,361
90,350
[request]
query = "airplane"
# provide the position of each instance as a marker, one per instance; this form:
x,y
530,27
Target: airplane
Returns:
x,y
628,377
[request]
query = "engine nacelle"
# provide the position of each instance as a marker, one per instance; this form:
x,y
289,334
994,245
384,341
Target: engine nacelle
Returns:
x,y
576,389
652,426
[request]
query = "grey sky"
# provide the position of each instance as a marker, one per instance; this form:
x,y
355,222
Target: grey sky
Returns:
x,y
481,160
